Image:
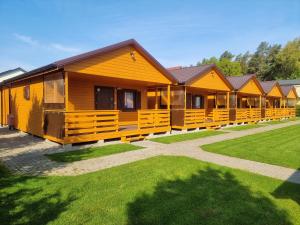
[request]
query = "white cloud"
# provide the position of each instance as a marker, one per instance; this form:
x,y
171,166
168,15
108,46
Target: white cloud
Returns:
x,y
63,48
56,46
26,39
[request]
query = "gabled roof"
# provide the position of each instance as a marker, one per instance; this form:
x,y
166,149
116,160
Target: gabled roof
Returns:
x,y
186,75
239,81
287,88
289,82
268,86
131,42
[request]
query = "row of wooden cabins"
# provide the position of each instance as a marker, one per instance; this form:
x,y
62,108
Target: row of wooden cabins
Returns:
x,y
122,92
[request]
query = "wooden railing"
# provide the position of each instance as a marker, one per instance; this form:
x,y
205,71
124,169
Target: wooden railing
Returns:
x,y
242,114
153,118
269,113
84,122
255,113
218,115
290,112
194,116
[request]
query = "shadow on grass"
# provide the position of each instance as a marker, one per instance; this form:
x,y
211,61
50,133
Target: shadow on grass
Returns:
x,y
288,190
208,197
29,204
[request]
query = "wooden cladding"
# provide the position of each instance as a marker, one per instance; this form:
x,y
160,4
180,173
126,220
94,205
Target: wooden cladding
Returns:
x,y
54,88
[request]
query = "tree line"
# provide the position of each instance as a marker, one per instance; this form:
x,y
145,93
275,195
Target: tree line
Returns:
x,y
268,62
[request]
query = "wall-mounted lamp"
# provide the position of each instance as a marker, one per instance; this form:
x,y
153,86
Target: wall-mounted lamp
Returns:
x,y
132,55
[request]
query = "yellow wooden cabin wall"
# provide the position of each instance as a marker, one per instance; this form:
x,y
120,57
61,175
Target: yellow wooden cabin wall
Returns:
x,y
275,92
5,105
82,93
28,113
211,80
251,88
120,64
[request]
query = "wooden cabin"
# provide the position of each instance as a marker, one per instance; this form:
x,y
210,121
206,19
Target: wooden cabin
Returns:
x,y
272,104
201,98
289,100
119,91
245,101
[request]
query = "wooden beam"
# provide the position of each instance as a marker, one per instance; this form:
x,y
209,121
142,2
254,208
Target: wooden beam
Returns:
x,y
66,91
156,98
169,96
236,100
184,98
260,101
227,100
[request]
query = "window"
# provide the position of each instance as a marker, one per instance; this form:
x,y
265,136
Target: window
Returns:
x,y
54,88
129,102
26,92
198,102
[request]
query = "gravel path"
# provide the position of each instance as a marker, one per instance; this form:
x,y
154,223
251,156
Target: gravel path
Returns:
x,y
31,160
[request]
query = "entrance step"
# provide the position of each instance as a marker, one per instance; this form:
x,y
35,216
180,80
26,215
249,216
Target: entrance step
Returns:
x,y
131,138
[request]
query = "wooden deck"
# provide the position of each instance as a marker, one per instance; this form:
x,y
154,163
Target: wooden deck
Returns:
x,y
94,125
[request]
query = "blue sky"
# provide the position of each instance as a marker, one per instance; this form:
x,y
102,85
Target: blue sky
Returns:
x,y
36,33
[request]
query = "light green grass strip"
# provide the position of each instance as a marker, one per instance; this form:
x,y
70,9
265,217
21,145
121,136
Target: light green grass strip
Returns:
x,y
279,147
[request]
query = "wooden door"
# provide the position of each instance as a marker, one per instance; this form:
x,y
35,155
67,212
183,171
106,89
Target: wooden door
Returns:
x,y
104,98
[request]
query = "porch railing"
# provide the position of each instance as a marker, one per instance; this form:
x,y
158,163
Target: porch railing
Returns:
x,y
218,115
79,123
255,113
153,118
290,112
242,114
194,116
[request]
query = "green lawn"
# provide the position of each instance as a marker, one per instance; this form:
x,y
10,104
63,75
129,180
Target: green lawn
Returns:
x,y
186,137
88,153
244,127
279,147
160,190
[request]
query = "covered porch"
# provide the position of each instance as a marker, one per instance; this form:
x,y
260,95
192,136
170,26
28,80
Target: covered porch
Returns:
x,y
100,108
193,107
245,108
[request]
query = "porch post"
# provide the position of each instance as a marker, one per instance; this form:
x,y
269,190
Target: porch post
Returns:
x,y
216,100
227,99
156,98
169,96
66,91
236,100
184,107
260,101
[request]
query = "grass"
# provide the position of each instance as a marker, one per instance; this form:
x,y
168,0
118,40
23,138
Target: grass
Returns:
x,y
160,190
186,137
279,147
88,153
244,127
